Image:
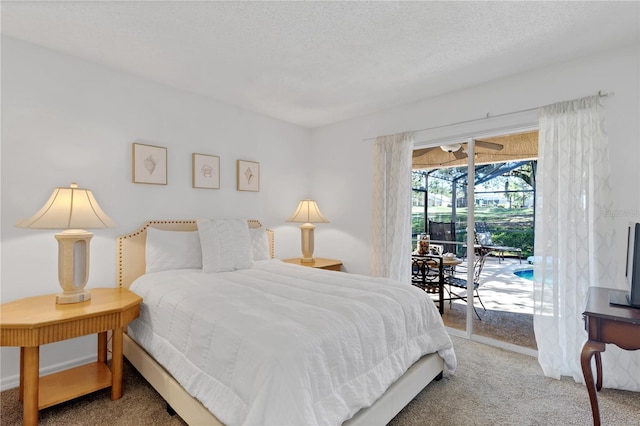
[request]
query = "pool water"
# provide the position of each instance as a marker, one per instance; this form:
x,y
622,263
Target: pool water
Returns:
x,y
527,274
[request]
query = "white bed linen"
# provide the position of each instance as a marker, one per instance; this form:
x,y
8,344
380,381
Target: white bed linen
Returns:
x,y
281,344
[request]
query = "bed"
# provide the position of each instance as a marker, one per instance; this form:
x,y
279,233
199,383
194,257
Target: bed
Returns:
x,y
250,369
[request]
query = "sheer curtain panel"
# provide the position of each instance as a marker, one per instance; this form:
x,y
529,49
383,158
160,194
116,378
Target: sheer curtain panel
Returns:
x,y
391,234
574,239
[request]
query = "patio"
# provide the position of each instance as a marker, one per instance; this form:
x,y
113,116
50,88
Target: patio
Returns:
x,y
509,302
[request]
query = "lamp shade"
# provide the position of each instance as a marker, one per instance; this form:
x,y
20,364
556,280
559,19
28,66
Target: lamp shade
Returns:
x,y
69,208
308,212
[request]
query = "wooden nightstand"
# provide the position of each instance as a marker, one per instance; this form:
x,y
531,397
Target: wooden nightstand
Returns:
x,y
38,320
318,262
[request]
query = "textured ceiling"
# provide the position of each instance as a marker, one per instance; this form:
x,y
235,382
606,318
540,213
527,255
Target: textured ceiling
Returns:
x,y
315,63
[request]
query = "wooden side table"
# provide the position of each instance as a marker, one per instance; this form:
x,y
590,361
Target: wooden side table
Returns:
x,y
605,323
318,262
38,320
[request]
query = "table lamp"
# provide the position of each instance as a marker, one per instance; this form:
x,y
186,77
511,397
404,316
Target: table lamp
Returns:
x,y
71,209
307,213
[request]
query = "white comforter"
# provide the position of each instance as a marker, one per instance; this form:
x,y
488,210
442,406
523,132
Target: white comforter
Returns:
x,y
280,344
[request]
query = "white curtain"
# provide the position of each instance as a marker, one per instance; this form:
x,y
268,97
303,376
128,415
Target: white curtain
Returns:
x,y
574,239
391,235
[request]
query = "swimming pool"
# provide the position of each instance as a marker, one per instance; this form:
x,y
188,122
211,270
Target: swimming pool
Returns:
x,y
527,274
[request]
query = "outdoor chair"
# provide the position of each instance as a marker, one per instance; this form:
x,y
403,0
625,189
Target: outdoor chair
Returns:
x,y
454,284
485,240
443,231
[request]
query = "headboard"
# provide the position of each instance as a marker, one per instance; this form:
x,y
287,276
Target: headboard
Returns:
x,y
130,256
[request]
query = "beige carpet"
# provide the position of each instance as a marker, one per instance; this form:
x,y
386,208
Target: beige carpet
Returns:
x,y
491,387
497,387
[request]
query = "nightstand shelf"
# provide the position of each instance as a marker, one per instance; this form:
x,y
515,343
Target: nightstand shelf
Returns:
x,y
78,381
318,262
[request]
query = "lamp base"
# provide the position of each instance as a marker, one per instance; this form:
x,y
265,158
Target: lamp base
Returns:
x,y
66,298
306,230
73,265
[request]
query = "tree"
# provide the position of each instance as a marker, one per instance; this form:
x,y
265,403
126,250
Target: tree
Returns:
x,y
525,180
526,172
507,194
418,179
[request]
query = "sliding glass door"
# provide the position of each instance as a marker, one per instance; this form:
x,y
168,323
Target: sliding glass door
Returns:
x,y
464,186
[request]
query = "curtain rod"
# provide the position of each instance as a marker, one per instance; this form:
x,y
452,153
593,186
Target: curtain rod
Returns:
x,y
600,95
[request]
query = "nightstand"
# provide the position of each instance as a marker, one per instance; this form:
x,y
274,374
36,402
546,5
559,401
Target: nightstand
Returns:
x,y
318,262
38,320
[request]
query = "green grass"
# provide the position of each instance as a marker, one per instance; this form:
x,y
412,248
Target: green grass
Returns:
x,y
509,227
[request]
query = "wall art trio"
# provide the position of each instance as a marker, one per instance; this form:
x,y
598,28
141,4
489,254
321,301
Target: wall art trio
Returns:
x,y
149,165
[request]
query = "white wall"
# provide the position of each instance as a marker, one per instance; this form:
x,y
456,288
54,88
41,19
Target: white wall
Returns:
x,y
341,174
65,120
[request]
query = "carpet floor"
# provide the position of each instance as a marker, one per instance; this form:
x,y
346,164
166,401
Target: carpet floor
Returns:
x,y
491,387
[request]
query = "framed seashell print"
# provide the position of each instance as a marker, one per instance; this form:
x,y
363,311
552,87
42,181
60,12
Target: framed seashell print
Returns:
x,y
248,176
149,164
205,171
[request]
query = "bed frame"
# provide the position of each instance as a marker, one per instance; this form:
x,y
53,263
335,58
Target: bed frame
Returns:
x,y
130,261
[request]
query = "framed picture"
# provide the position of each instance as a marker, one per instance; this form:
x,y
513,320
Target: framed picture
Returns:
x,y
248,176
149,164
205,171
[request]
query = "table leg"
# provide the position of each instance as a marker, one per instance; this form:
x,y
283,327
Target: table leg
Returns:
x,y
31,374
116,363
102,347
589,350
598,359
441,297
21,388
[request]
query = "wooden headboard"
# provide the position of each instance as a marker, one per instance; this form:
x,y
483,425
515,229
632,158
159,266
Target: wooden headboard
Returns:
x,y
130,256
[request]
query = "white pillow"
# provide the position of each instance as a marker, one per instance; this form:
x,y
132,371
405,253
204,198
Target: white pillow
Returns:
x,y
166,250
259,244
226,244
